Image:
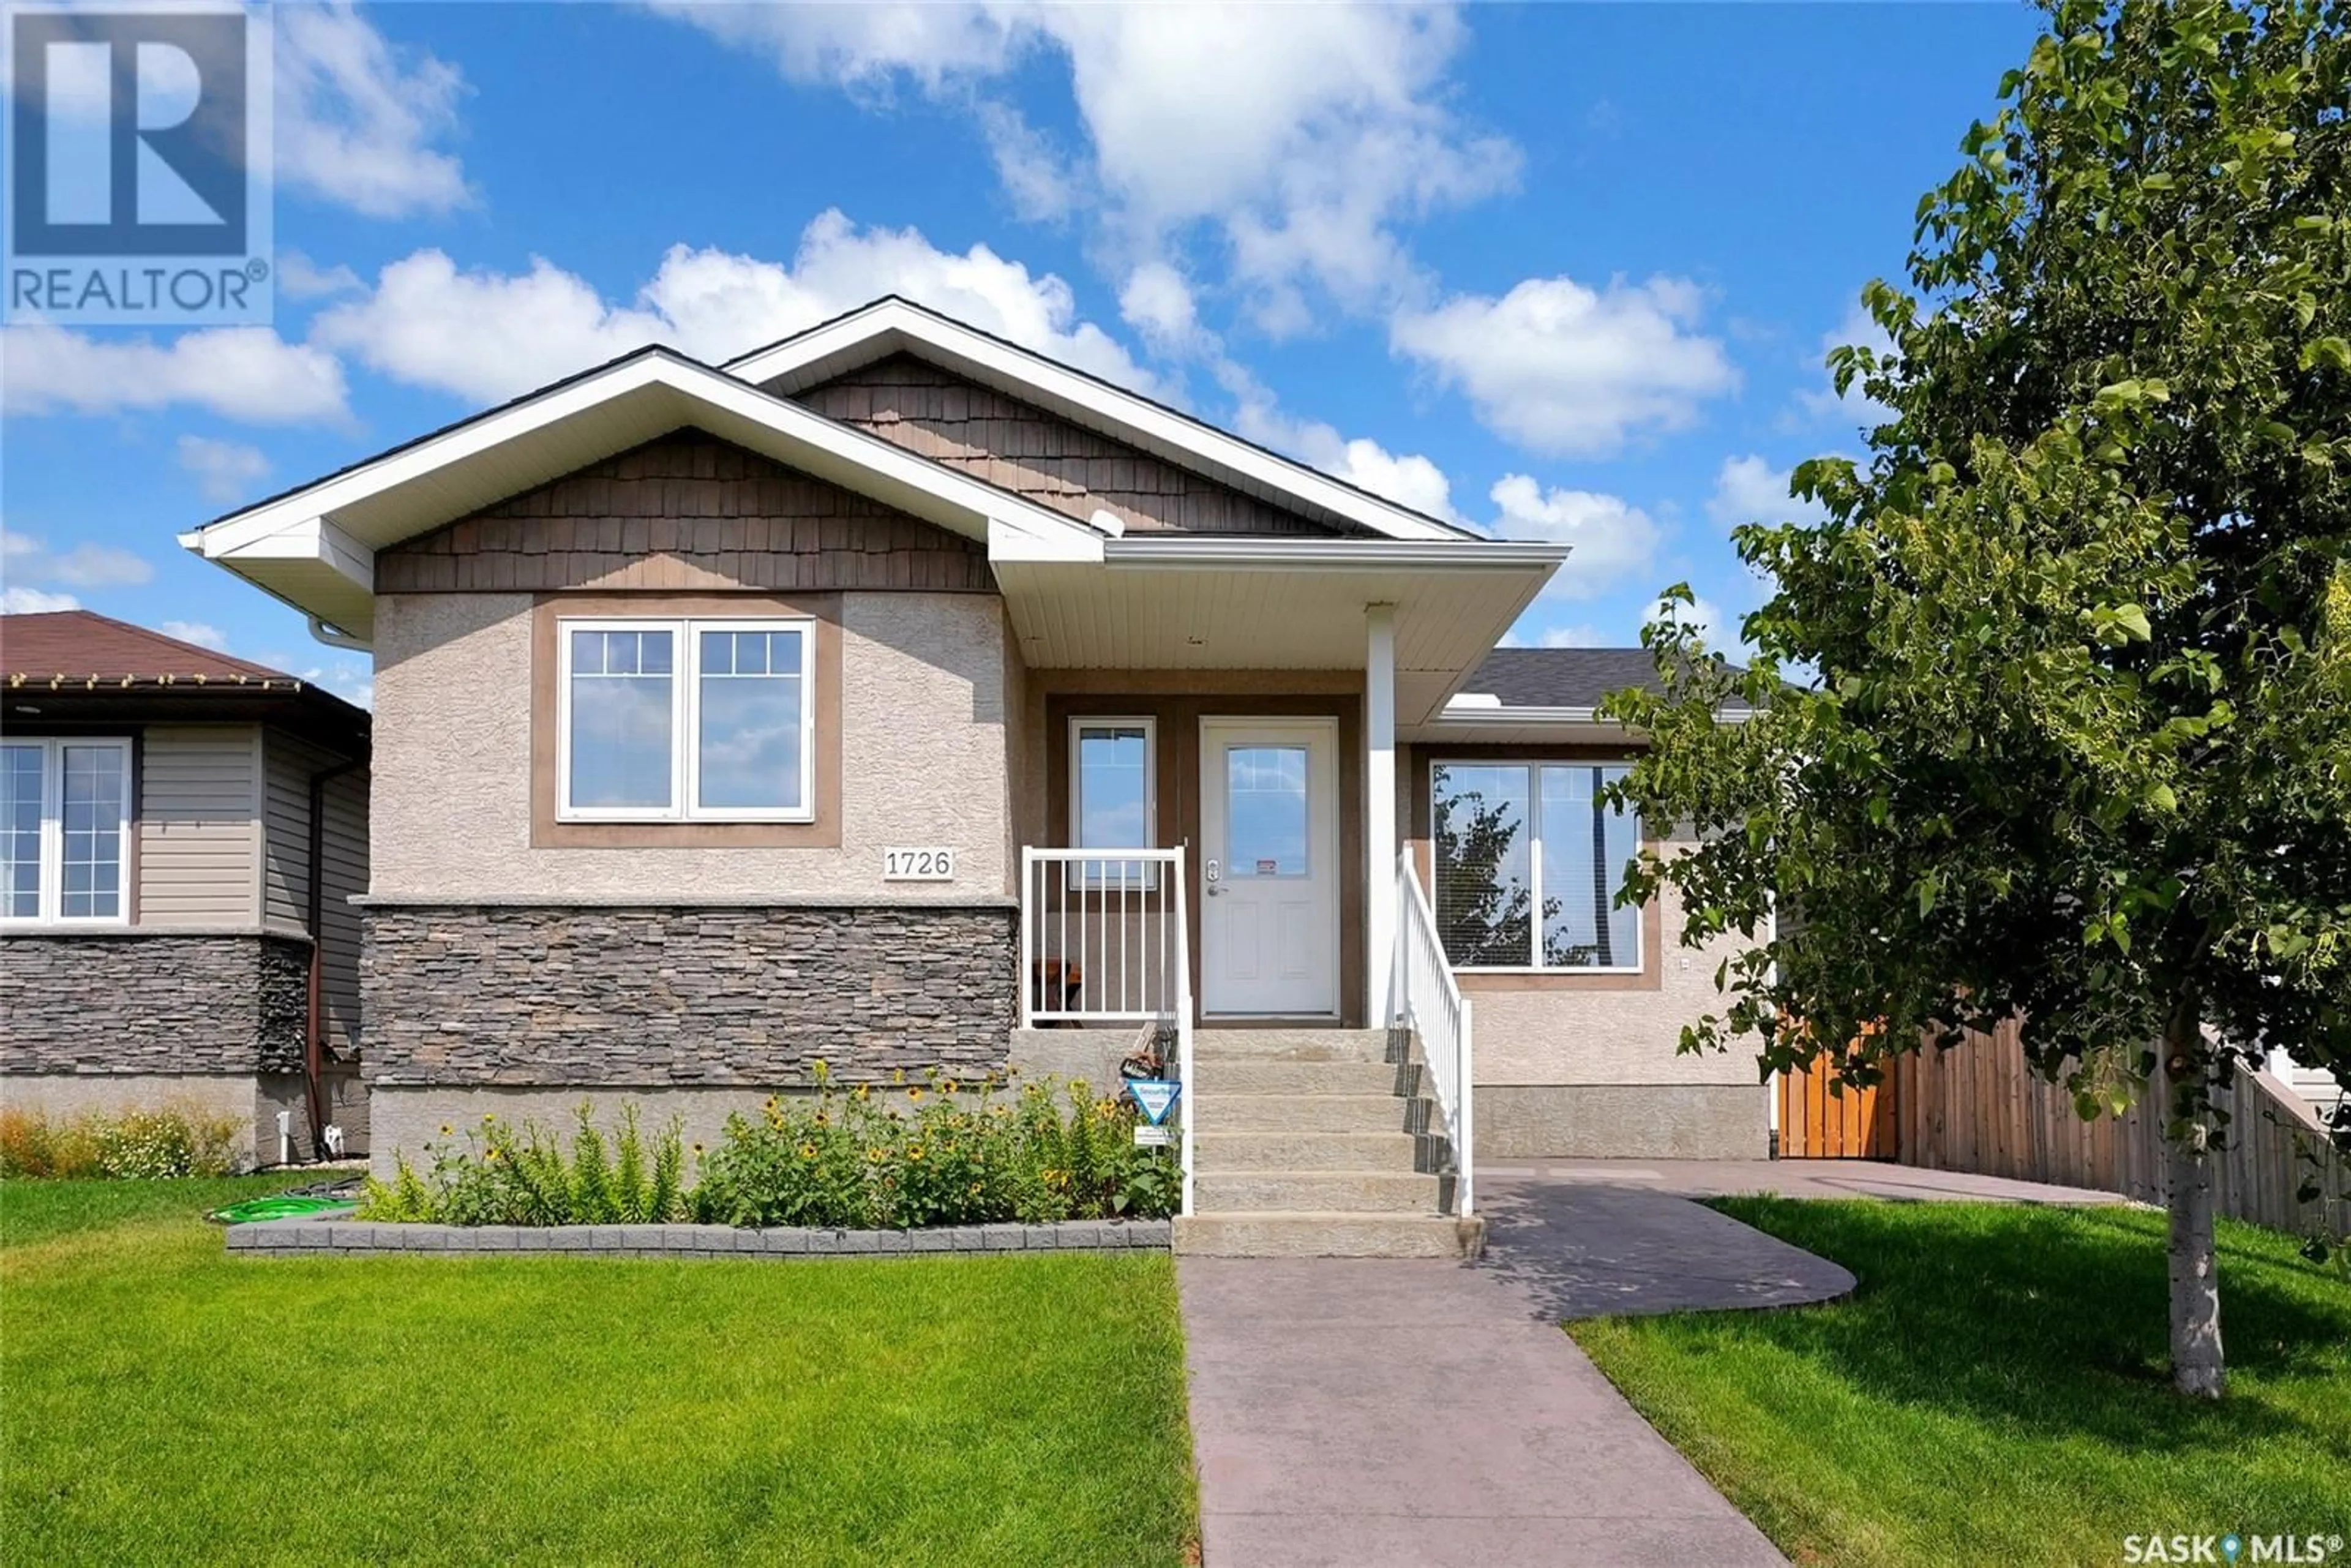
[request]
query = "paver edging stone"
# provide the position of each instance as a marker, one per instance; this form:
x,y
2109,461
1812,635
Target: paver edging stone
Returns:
x,y
335,1233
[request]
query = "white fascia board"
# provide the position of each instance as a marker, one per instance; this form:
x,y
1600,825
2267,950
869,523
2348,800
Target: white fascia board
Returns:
x,y
1468,715
1012,540
973,503
311,539
1197,551
890,325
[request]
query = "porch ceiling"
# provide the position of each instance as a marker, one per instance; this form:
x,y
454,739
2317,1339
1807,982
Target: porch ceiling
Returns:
x,y
1148,611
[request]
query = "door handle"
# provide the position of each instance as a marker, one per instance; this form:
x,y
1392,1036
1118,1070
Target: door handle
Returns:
x,y
1214,877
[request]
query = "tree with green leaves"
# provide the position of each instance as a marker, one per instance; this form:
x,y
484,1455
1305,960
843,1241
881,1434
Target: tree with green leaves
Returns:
x,y
2052,701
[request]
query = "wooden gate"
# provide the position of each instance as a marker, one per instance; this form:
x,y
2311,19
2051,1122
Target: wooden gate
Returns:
x,y
1822,1118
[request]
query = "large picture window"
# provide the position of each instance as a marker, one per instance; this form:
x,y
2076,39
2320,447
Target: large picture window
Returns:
x,y
1528,863
65,830
705,720
1110,797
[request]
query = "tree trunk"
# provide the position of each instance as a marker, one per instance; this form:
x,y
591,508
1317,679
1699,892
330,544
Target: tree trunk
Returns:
x,y
2196,1366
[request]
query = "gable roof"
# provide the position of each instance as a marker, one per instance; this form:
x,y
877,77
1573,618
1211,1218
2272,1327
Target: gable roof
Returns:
x,y
893,325
79,646
314,546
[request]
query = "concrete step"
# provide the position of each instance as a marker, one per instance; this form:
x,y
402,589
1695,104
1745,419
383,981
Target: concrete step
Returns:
x,y
1299,1113
1246,1077
1216,1153
1352,1192
1290,1045
1300,1233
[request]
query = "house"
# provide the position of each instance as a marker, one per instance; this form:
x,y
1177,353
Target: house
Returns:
x,y
895,697
181,836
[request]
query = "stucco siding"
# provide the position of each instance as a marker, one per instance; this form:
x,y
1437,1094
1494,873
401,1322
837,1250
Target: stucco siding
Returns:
x,y
922,761
1618,1036
199,837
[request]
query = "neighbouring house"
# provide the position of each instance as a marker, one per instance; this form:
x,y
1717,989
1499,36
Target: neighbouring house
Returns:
x,y
895,697
180,836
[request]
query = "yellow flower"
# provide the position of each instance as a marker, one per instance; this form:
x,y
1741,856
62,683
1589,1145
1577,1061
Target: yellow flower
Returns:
x,y
808,1151
948,1087
447,1129
873,1157
489,1117
914,1153
913,1094
492,1154
864,1089
975,1189
697,1148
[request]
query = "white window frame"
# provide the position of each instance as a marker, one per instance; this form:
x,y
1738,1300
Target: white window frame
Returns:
x,y
1534,867
686,719
53,833
1095,873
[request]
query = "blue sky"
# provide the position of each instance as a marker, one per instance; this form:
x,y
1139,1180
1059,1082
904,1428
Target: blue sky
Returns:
x,y
1564,271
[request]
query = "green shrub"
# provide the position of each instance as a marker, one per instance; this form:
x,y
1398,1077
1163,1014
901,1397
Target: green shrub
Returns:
x,y
914,1155
499,1173
900,1157
152,1145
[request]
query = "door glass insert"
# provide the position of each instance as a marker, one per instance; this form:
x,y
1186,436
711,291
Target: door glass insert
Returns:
x,y
1265,810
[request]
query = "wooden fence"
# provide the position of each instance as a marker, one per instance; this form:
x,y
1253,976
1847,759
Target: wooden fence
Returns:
x,y
1978,1108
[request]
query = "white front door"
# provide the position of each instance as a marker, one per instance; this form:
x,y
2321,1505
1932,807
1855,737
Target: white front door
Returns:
x,y
1270,866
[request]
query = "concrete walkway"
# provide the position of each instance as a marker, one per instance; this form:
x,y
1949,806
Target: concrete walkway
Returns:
x,y
1367,1414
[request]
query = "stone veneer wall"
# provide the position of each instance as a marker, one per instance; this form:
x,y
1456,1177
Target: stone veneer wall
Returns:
x,y
494,995
129,1002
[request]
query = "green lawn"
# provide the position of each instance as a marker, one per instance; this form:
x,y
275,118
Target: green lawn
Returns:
x,y
1994,1391
164,1403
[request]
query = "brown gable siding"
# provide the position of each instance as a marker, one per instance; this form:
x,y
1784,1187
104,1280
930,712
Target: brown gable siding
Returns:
x,y
1040,457
686,511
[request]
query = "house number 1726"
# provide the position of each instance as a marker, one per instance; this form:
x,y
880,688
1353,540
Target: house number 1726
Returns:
x,y
918,865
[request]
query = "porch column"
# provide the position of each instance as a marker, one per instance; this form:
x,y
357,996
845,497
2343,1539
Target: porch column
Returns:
x,y
1379,809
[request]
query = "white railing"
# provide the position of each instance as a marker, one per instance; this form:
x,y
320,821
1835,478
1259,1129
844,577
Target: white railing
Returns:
x,y
1426,999
1105,937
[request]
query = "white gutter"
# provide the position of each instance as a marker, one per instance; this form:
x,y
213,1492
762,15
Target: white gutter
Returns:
x,y
1150,552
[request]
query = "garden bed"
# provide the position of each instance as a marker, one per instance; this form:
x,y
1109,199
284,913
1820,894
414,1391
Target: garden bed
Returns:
x,y
312,1235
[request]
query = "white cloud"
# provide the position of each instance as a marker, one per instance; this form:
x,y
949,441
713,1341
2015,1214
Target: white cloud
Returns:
x,y
203,634
30,560
1583,635
15,601
487,335
1157,302
1611,539
1853,408
1749,490
1301,135
1041,183
225,470
1716,628
1559,368
1409,479
358,118
246,373
299,277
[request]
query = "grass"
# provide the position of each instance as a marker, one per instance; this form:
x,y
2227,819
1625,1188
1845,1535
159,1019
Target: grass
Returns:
x,y
1995,1389
168,1403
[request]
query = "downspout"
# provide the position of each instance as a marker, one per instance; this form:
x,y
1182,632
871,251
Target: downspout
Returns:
x,y
314,1034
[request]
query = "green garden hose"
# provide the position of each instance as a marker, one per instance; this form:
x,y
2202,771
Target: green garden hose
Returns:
x,y
284,1205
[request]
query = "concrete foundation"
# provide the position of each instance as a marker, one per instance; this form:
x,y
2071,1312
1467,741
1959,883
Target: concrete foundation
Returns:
x,y
1622,1121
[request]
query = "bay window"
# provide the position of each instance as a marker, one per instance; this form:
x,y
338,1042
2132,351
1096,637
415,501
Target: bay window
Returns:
x,y
1529,861
65,830
702,720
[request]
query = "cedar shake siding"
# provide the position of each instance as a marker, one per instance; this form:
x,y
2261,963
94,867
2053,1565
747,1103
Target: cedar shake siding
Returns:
x,y
686,511
1037,456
